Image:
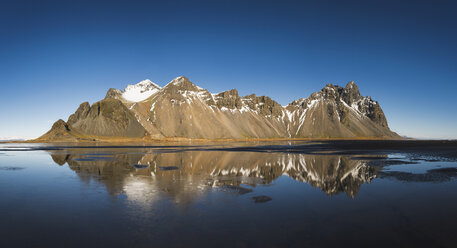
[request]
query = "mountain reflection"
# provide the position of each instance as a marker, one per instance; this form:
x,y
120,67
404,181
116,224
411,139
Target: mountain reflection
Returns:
x,y
183,176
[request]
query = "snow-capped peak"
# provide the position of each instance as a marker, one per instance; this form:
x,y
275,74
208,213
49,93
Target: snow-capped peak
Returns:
x,y
140,91
178,80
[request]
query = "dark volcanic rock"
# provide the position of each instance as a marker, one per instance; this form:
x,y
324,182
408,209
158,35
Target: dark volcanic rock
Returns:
x,y
373,111
229,99
351,93
264,104
261,199
236,189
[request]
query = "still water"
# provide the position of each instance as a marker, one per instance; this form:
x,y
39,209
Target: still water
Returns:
x,y
205,196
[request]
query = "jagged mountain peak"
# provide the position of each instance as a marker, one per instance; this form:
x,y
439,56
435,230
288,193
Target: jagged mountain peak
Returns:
x,y
113,93
351,93
348,94
179,80
81,112
229,99
182,83
233,93
181,90
263,105
330,91
60,125
352,86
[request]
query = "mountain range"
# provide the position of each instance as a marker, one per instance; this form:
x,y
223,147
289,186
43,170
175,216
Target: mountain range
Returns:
x,y
181,109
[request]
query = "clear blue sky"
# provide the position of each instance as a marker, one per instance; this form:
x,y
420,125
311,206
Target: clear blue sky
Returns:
x,y
56,54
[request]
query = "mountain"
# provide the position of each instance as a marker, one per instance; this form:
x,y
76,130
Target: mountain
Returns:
x,y
62,131
108,117
181,109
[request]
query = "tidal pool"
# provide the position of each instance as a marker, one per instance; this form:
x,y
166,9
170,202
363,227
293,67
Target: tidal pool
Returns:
x,y
299,194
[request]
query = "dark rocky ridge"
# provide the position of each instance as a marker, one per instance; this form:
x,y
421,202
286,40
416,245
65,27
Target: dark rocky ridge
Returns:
x,y
113,93
264,104
229,99
108,117
62,131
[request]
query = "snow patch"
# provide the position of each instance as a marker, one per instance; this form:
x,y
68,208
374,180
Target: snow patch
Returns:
x,y
140,91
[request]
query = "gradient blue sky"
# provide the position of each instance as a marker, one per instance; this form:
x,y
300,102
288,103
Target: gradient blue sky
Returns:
x,y
56,54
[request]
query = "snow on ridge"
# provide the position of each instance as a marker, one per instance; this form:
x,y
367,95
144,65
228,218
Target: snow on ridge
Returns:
x,y
140,91
176,81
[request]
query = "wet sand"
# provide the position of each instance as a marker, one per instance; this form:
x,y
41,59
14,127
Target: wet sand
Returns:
x,y
445,149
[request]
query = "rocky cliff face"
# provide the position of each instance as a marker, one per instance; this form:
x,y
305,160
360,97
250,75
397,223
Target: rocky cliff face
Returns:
x,y
182,109
108,117
337,112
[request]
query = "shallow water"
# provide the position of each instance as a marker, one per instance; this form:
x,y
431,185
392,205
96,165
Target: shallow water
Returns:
x,y
213,195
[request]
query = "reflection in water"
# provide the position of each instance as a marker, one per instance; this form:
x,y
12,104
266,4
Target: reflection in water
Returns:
x,y
175,197
184,176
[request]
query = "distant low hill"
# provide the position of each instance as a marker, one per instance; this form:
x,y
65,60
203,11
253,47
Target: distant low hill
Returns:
x,y
181,109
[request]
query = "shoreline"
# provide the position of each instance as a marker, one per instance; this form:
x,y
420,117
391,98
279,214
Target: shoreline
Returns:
x,y
197,140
